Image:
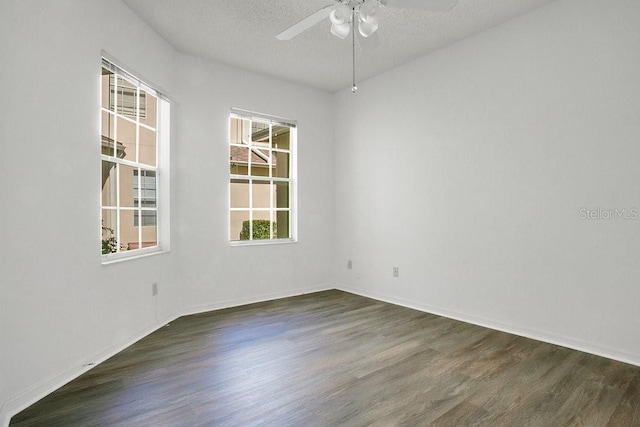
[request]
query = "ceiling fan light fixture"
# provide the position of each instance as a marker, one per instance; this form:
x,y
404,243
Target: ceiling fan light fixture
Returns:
x,y
340,15
366,28
367,10
341,30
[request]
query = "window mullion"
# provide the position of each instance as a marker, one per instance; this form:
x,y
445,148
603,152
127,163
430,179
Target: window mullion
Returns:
x,y
250,174
271,184
139,183
115,155
118,207
139,207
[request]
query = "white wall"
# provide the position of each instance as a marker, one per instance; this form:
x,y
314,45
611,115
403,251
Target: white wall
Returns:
x,y
468,168
213,273
59,307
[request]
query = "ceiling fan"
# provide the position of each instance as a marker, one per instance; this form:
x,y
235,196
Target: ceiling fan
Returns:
x,y
346,14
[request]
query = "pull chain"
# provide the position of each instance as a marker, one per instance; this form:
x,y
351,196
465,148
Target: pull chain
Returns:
x,y
354,88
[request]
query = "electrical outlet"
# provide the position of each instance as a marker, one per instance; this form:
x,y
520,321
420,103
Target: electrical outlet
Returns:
x,y
349,264
396,272
154,288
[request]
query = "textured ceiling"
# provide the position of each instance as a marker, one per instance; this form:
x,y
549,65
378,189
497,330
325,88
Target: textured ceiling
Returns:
x,y
242,33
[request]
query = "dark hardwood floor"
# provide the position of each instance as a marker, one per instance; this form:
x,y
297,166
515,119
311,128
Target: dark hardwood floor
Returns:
x,y
333,358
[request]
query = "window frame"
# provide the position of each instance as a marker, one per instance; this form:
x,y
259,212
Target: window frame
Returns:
x,y
161,167
292,209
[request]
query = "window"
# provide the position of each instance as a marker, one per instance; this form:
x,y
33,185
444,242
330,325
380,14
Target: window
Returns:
x,y
134,136
144,195
262,178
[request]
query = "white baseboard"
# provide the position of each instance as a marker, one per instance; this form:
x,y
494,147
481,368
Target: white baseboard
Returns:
x,y
632,359
17,403
236,302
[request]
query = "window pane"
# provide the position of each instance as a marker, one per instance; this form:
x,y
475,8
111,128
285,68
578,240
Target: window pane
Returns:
x,y
109,183
235,131
128,177
261,225
245,131
126,98
126,134
281,164
128,230
147,108
261,194
149,229
260,134
147,146
282,225
109,231
108,134
239,195
238,158
280,138
238,219
144,189
145,218
106,89
281,195
260,162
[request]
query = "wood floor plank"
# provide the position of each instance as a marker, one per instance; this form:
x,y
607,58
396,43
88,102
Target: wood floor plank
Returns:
x,y
334,358
463,414
627,413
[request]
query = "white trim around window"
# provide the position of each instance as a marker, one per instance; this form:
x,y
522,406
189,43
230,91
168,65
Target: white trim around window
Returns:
x,y
135,136
262,179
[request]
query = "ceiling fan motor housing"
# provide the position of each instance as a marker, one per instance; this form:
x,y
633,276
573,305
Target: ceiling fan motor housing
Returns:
x,y
364,11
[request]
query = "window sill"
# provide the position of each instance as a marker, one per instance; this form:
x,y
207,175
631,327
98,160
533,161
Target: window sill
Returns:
x,y
117,259
238,243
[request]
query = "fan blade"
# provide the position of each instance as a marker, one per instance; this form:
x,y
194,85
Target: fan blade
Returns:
x,y
306,23
435,5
